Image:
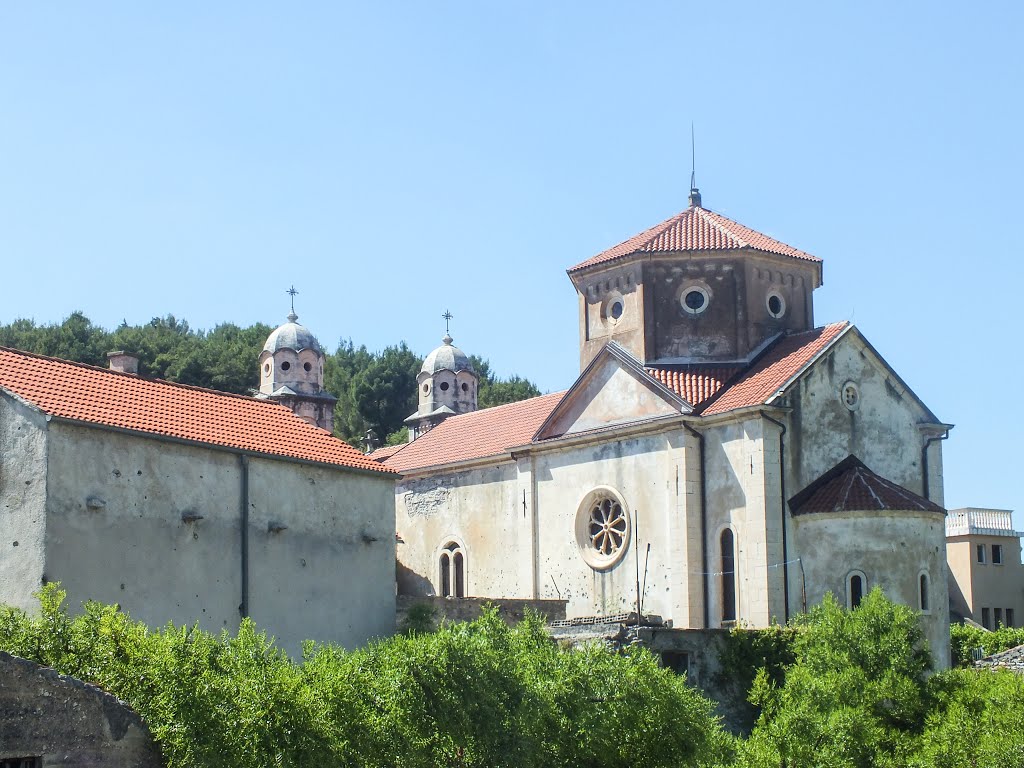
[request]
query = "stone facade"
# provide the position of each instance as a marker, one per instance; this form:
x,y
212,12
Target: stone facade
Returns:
x,y
58,720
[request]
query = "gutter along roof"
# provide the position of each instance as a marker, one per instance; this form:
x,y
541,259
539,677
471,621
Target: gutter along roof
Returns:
x,y
97,396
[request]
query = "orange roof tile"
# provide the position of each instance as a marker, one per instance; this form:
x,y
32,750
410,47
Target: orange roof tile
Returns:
x,y
695,384
695,229
477,435
385,452
99,396
779,364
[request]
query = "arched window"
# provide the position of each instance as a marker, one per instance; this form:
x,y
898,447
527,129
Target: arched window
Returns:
x,y
923,593
856,585
728,576
452,567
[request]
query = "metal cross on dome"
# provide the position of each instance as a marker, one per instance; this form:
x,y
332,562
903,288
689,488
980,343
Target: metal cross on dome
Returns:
x,y
292,292
447,318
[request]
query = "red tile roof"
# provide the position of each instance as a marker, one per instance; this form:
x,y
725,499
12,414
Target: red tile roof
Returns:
x,y
385,452
99,396
493,431
695,384
850,486
477,435
771,372
695,229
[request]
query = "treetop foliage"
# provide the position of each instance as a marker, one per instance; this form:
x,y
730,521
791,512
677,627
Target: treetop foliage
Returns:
x,y
374,389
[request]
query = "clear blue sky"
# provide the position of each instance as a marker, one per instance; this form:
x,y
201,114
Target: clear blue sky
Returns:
x,y
393,160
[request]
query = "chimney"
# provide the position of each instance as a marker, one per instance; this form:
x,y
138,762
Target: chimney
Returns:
x,y
124,362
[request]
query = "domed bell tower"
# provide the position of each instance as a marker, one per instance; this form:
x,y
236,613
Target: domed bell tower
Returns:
x,y
447,386
292,373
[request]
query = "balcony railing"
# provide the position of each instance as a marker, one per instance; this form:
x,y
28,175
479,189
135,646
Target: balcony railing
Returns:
x,y
984,522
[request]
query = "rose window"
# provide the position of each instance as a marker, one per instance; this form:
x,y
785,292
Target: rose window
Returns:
x,y
603,528
607,526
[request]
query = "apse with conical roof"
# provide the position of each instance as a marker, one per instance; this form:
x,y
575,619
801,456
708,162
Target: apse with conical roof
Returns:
x,y
696,288
292,372
447,385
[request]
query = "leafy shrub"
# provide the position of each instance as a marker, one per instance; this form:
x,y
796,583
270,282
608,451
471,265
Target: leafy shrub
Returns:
x,y
476,694
965,639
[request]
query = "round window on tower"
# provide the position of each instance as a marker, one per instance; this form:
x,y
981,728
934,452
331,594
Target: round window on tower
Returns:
x,y
465,387
444,386
285,365
308,367
426,388
266,368
776,304
694,298
613,308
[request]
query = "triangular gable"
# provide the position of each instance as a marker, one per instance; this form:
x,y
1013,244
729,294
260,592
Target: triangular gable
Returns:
x,y
614,389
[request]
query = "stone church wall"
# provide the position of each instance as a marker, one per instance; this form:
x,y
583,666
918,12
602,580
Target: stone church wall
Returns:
x,y
643,471
155,526
22,501
66,722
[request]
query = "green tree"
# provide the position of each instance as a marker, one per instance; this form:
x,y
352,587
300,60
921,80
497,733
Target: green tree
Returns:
x,y
494,390
978,720
384,392
856,695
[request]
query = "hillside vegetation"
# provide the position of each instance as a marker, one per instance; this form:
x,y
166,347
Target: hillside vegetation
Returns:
x,y
374,389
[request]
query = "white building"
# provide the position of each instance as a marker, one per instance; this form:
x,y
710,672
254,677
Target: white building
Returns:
x,y
188,505
720,459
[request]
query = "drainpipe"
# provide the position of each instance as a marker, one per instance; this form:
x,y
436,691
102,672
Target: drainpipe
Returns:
x,y
703,523
782,493
924,461
243,462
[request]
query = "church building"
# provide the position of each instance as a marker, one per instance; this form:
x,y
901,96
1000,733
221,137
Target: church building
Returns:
x,y
721,460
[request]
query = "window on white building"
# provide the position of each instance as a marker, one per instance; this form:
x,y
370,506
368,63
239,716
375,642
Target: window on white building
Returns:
x,y
997,554
728,546
452,568
981,554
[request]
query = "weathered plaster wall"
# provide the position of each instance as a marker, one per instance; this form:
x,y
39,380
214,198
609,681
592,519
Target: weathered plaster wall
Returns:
x,y
891,549
791,281
328,576
742,474
67,722
597,325
484,509
717,333
883,431
646,472
135,549
470,608
22,501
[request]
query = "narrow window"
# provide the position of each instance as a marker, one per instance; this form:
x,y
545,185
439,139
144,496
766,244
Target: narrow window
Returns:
x,y
981,553
458,564
446,575
998,617
728,576
1009,617
923,587
997,554
453,570
855,584
986,620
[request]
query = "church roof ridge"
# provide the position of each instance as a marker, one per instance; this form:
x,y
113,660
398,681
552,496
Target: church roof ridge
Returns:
x,y
695,229
91,395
